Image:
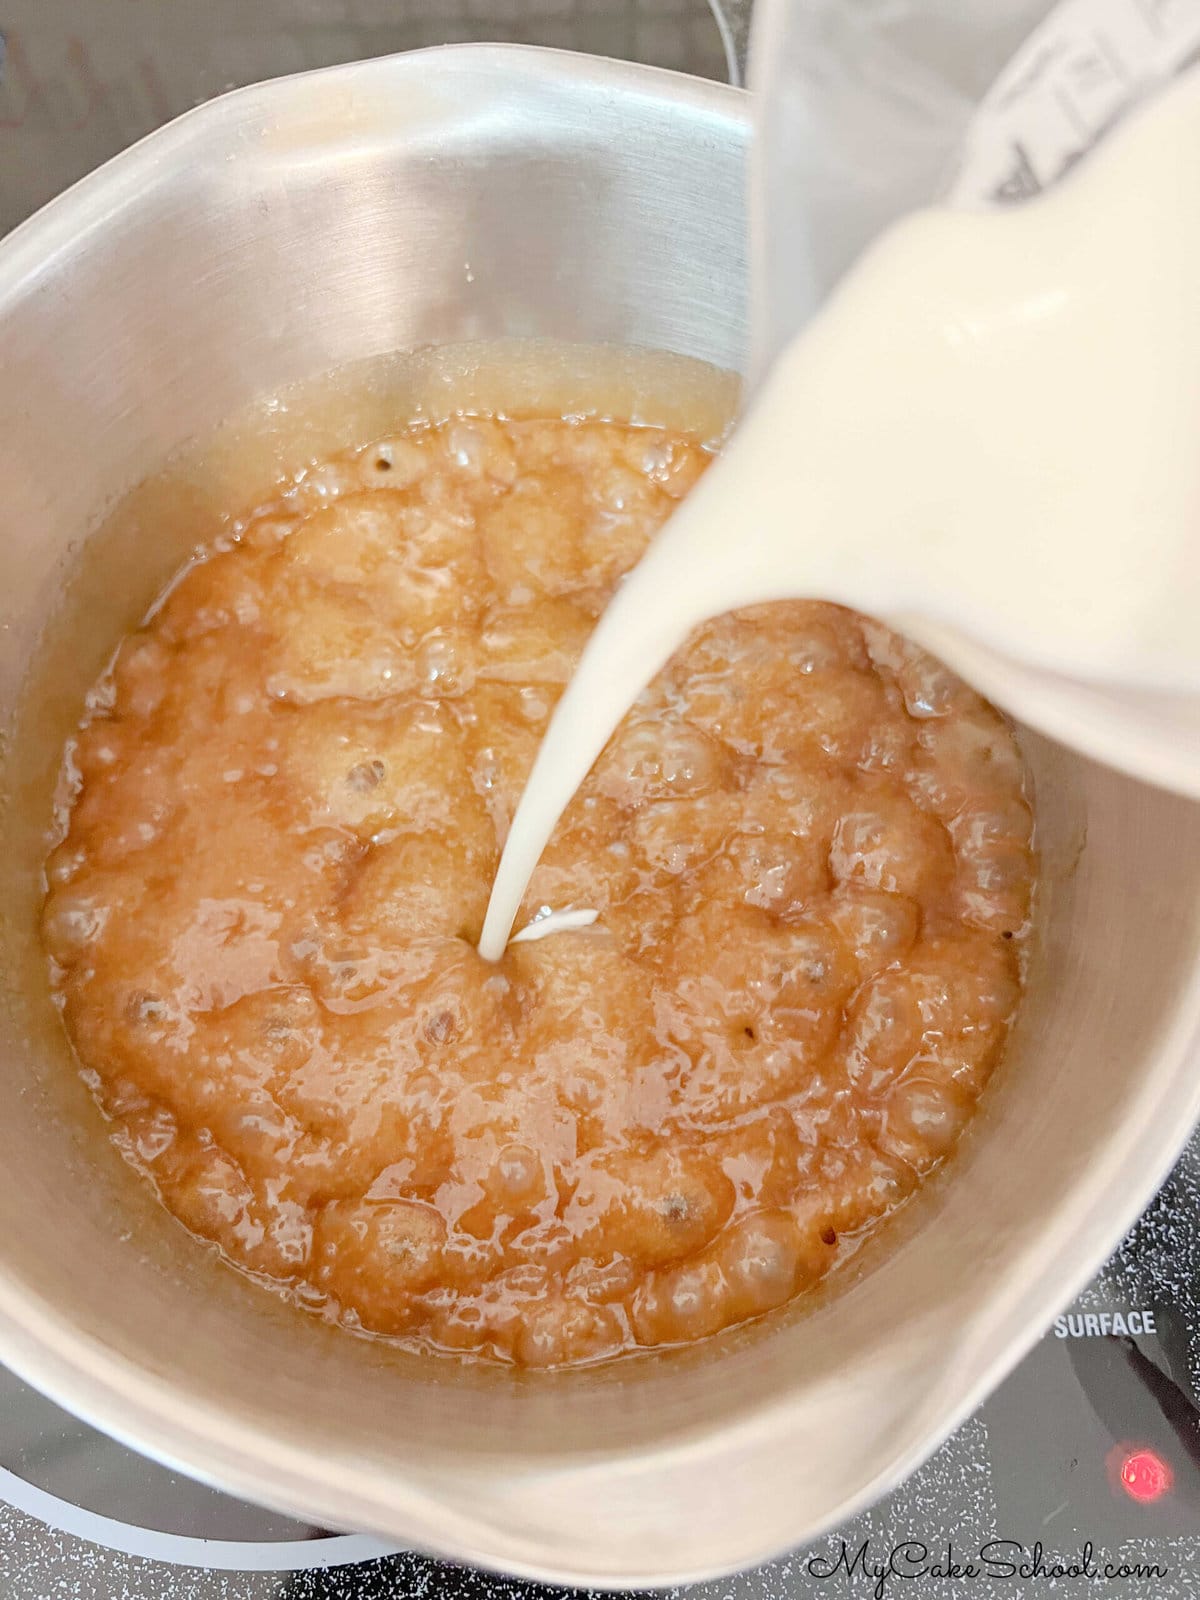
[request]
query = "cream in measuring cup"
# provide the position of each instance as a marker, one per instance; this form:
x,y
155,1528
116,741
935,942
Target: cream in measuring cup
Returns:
x,y
987,438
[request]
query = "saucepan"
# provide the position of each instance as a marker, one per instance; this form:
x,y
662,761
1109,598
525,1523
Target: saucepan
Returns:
x,y
448,196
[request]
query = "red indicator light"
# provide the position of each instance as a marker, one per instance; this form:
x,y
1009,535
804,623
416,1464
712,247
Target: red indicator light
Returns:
x,y
1145,1476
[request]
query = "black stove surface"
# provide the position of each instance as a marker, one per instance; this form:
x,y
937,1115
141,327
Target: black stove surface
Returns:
x,y
1080,1476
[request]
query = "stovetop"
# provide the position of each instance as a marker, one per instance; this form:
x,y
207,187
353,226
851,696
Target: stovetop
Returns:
x,y
1080,1476
1087,1457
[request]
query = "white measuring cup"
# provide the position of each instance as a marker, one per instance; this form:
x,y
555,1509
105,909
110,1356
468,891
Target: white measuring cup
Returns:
x,y
867,110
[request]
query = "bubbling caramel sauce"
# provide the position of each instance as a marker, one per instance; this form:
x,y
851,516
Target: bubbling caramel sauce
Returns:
x,y
808,845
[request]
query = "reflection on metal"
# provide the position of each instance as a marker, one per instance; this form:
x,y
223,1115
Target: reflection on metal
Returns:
x,y
79,82
181,1550
84,1484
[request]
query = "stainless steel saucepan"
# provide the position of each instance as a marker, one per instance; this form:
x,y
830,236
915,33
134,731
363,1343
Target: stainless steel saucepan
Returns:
x,y
445,196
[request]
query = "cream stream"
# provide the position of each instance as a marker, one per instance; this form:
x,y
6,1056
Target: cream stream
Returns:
x,y
990,437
